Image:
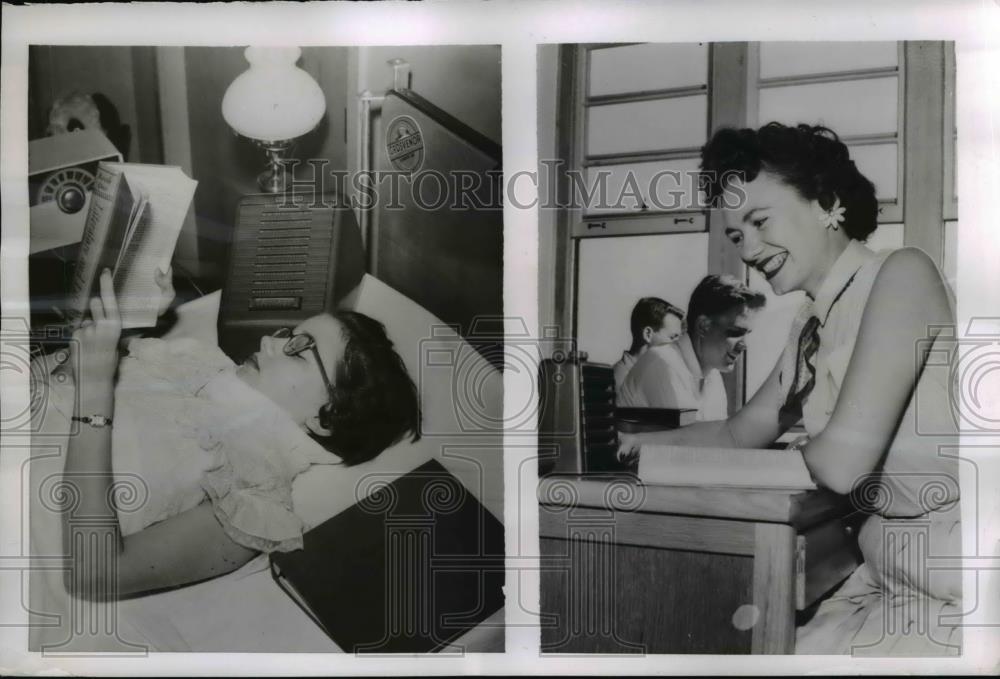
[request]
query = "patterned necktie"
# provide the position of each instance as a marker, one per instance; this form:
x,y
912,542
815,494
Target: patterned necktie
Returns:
x,y
805,374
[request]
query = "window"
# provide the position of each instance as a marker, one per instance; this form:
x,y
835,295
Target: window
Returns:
x,y
640,232
853,88
640,114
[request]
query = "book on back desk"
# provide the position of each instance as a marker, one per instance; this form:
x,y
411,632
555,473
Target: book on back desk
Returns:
x,y
636,420
407,570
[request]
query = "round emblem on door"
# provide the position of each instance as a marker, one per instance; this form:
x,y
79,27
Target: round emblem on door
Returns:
x,y
404,144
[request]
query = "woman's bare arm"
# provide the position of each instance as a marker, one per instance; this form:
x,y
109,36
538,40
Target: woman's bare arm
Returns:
x,y
755,425
189,547
907,301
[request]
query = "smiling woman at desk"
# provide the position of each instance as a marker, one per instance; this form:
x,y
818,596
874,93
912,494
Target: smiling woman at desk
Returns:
x,y
854,369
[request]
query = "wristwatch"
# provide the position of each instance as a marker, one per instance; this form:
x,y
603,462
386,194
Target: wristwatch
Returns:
x,y
96,421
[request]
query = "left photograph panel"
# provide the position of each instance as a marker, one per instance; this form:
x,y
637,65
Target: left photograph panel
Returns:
x,y
266,349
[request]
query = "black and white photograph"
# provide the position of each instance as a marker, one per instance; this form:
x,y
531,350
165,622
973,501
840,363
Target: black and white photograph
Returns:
x,y
499,337
752,448
253,292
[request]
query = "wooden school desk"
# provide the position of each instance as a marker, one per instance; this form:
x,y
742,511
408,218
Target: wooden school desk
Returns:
x,y
628,568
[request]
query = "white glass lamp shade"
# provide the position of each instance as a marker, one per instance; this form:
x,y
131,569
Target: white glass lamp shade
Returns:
x,y
274,99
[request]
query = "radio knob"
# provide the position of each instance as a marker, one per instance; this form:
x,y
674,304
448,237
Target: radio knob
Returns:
x,y
71,198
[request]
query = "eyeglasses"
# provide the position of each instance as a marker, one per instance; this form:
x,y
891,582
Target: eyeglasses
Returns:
x,y
296,344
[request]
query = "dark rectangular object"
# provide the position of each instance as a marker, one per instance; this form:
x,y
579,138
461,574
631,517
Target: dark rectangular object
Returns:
x,y
293,256
635,420
407,570
577,416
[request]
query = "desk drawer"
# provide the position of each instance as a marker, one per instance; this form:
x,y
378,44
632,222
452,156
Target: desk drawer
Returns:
x,y
824,556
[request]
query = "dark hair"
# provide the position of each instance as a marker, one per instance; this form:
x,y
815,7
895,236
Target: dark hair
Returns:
x,y
810,159
649,311
716,295
374,402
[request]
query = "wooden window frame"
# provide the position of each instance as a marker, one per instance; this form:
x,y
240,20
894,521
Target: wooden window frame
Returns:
x,y
892,210
926,157
950,134
726,89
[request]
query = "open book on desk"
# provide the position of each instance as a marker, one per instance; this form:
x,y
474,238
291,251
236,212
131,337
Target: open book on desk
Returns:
x,y
731,467
135,216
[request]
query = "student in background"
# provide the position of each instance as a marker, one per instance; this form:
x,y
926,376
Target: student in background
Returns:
x,y
654,322
686,374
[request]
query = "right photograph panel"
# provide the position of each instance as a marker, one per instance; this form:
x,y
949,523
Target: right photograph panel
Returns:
x,y
747,262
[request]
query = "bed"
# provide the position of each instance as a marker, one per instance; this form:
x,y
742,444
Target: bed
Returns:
x,y
246,611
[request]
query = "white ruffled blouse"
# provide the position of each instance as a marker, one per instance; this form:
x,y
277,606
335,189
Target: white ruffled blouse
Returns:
x,y
188,429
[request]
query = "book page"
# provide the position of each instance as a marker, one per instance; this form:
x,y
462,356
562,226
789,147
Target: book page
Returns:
x,y
168,197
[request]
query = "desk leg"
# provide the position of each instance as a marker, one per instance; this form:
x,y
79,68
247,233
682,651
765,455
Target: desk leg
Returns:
x,y
774,588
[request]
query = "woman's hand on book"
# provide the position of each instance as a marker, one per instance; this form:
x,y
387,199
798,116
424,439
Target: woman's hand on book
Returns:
x,y
95,343
165,281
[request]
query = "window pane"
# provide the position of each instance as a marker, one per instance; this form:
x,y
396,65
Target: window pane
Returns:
x,y
647,125
852,107
879,162
615,272
638,68
802,58
669,185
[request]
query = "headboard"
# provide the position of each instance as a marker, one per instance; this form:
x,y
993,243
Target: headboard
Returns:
x,y
449,258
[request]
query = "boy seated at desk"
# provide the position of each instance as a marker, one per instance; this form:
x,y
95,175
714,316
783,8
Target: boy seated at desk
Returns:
x,y
654,322
687,373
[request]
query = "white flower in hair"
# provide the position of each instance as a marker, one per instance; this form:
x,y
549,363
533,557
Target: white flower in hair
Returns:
x,y
834,217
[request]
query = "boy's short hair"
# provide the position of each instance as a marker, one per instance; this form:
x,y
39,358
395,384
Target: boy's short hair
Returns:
x,y
718,294
650,311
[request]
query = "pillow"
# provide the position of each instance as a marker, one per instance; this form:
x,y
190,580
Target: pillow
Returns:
x,y
461,397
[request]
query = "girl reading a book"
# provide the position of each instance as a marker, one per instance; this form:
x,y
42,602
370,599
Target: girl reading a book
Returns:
x,y
853,372
213,447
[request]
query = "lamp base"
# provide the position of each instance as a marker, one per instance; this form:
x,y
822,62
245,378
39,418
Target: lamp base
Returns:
x,y
275,178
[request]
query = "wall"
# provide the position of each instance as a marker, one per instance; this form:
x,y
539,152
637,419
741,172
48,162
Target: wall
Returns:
x,y
226,165
122,74
464,80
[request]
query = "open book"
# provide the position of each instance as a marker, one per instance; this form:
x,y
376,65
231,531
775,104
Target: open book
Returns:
x,y
731,467
136,214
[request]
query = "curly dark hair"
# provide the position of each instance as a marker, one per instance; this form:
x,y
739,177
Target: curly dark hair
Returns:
x,y
374,402
809,158
649,311
718,294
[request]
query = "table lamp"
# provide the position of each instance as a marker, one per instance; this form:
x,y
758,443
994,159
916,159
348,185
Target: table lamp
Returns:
x,y
272,103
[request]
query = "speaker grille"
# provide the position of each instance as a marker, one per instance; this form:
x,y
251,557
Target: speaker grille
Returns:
x,y
281,257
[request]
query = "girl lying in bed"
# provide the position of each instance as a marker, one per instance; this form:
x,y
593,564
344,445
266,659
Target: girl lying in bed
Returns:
x,y
212,448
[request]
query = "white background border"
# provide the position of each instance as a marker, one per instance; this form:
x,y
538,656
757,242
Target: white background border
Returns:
x,y
519,27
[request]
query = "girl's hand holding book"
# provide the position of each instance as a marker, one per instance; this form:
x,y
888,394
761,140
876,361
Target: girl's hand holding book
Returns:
x,y
95,342
165,281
